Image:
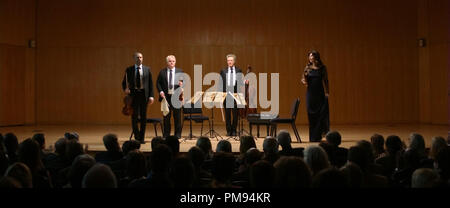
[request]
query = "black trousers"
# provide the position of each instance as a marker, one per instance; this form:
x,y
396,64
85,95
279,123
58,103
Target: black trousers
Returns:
x,y
231,126
139,111
176,118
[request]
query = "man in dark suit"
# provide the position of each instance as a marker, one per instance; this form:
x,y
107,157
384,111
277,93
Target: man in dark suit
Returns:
x,y
138,83
166,85
231,75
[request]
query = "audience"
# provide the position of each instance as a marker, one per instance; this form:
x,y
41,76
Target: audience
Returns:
x,y
353,173
390,159
242,176
29,154
361,157
368,164
270,148
205,144
437,144
79,168
336,155
182,173
113,151
377,142
174,144
262,174
202,177
12,146
21,173
99,176
223,146
136,168
222,170
292,172
316,158
40,139
424,178
330,178
284,140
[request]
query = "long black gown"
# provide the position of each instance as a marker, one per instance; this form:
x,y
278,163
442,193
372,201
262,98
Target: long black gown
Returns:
x,y
317,103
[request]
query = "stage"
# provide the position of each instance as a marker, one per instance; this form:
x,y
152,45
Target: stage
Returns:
x,y
92,134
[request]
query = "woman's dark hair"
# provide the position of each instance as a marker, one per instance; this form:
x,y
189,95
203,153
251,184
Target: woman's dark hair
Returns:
x,y
136,164
246,142
316,55
11,143
377,141
29,154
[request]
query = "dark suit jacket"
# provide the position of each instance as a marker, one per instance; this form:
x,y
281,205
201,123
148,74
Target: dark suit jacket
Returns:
x,y
223,74
163,85
147,80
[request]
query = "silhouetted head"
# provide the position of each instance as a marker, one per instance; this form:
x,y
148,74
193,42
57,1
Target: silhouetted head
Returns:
x,y
223,146
330,178
284,139
316,158
99,176
292,172
262,174
270,145
174,144
130,145
205,144
333,138
21,173
40,139
80,165
246,142
111,143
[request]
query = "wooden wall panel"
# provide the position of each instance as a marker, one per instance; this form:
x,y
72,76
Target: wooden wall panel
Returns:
x,y
12,87
433,61
369,47
439,17
17,62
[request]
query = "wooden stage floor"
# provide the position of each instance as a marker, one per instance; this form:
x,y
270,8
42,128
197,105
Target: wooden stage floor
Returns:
x,y
92,134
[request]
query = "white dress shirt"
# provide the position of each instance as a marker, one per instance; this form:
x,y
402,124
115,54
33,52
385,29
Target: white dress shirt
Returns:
x,y
229,76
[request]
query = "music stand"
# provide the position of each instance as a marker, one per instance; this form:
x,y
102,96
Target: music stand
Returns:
x,y
240,101
210,99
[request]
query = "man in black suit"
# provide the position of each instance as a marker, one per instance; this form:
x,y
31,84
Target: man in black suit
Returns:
x,y
231,79
138,83
166,85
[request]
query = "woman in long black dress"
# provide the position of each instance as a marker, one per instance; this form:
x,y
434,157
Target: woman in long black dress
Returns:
x,y
315,77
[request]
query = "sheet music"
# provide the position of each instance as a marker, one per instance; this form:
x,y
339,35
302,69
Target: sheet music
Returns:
x,y
220,97
239,97
197,97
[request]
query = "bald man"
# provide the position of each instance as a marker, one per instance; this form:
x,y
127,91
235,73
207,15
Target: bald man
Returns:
x,y
138,83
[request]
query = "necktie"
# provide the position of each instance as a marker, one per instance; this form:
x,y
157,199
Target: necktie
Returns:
x,y
232,76
138,78
170,79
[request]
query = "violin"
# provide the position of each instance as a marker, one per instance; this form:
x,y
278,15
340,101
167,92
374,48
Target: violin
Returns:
x,y
128,108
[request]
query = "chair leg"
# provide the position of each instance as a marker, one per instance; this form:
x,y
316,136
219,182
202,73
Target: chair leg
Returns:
x,y
268,130
250,128
274,130
257,128
209,124
162,130
294,127
154,126
201,129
